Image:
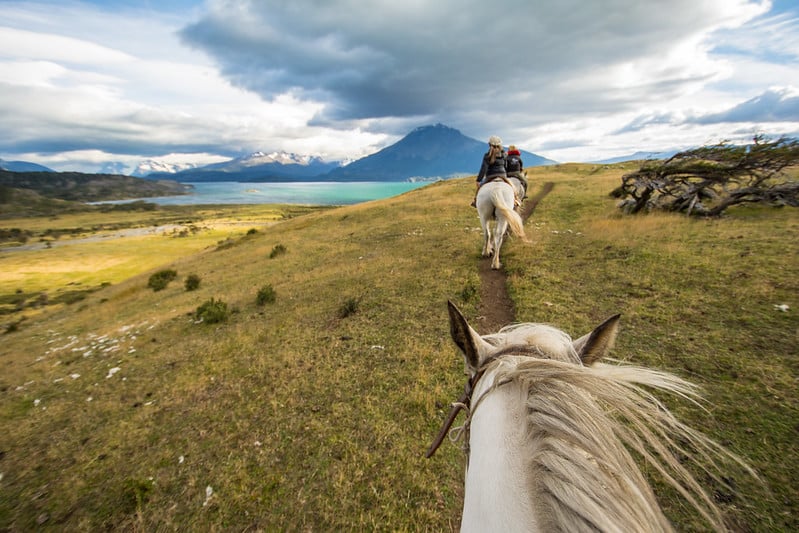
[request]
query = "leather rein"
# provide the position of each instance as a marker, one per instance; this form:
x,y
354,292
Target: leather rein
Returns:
x,y
464,402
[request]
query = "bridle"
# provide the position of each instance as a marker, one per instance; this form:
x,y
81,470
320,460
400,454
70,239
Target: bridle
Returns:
x,y
465,400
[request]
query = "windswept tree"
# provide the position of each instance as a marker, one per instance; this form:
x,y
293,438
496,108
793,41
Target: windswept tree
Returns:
x,y
705,181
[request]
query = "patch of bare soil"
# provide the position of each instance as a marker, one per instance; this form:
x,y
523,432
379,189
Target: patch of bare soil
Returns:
x,y
496,308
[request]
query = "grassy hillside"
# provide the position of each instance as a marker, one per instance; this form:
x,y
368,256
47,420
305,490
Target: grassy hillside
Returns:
x,y
50,260
80,187
313,412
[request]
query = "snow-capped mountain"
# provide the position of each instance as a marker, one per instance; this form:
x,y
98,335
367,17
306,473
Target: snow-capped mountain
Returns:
x,y
113,168
151,166
427,152
435,151
257,159
283,158
258,166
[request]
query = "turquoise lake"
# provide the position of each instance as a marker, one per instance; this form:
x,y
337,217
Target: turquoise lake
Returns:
x,y
313,193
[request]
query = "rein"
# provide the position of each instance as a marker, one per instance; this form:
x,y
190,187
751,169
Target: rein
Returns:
x,y
464,402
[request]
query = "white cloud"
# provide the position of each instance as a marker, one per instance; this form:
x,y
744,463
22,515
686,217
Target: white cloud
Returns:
x,y
560,77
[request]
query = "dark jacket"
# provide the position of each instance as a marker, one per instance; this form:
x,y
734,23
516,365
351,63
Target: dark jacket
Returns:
x,y
513,162
489,170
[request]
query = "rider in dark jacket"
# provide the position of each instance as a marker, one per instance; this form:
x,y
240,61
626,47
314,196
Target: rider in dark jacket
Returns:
x,y
493,164
514,166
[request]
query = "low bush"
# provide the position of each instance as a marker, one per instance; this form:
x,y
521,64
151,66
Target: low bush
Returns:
x,y
266,295
349,307
469,292
279,249
161,279
192,282
212,311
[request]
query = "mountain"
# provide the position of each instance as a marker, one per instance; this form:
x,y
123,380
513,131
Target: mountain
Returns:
x,y
22,166
638,156
256,167
152,166
426,152
80,187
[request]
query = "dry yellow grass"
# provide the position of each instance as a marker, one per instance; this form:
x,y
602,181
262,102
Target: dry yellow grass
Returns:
x,y
298,418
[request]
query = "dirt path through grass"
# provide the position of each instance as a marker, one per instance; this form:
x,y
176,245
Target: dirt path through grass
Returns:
x,y
496,308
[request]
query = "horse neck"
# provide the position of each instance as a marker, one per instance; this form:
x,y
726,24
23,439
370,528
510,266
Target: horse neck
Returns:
x,y
496,486
548,461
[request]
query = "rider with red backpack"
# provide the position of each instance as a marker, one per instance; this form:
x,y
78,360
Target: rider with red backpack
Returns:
x,y
514,167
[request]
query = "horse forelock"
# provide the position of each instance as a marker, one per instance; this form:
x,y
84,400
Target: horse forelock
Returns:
x,y
547,341
583,422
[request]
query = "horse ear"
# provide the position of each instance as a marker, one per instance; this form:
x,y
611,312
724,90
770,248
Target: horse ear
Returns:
x,y
596,345
464,337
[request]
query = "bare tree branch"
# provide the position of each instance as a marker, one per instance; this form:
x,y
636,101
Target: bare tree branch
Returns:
x,y
706,181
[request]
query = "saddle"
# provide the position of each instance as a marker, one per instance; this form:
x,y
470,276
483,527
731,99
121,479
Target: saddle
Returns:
x,y
516,201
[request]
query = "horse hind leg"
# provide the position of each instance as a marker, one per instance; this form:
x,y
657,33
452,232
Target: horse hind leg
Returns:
x,y
487,241
499,237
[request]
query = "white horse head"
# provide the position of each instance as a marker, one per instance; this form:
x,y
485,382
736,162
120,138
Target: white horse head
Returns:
x,y
495,201
550,429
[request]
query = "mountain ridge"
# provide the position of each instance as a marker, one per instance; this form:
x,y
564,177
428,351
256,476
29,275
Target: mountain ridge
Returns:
x,y
427,152
436,151
23,166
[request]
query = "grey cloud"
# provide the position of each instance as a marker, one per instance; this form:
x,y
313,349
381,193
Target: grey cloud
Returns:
x,y
772,106
445,59
643,121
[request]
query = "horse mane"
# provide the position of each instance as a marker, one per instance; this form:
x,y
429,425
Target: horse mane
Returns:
x,y
589,424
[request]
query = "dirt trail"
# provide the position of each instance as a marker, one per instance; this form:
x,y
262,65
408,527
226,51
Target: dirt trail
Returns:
x,y
496,308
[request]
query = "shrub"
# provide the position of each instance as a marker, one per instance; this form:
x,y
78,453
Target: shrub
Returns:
x,y
192,282
161,279
349,307
279,249
212,311
135,494
468,292
225,244
266,295
71,297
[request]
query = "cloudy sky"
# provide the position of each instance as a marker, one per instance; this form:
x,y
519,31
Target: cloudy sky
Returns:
x,y
83,84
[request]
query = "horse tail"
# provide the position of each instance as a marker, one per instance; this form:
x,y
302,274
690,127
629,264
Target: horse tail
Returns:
x,y
514,219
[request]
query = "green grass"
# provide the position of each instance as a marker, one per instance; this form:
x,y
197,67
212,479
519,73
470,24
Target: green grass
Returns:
x,y
302,417
82,258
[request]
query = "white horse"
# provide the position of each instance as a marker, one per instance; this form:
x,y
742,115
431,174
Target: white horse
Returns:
x,y
495,201
549,431
518,188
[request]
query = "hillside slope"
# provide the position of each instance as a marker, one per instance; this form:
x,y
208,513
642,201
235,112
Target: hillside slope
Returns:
x,y
314,412
80,187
